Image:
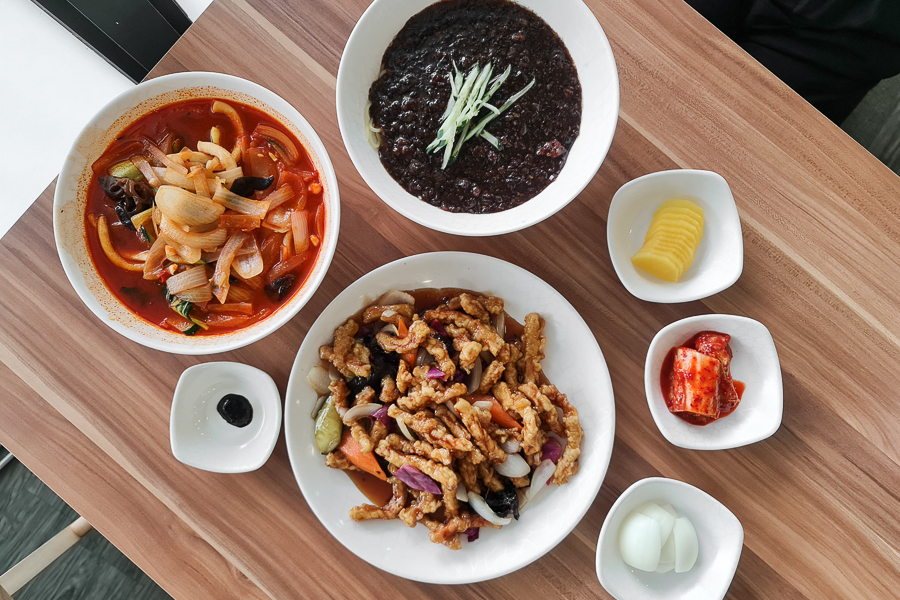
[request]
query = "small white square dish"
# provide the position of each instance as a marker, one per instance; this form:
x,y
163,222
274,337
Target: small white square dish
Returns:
x,y
720,538
202,438
755,363
719,259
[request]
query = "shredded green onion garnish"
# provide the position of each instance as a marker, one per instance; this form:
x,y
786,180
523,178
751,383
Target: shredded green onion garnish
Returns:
x,y
470,94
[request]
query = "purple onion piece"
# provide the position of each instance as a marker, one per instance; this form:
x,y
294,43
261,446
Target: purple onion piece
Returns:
x,y
382,415
472,533
416,479
436,373
551,450
439,328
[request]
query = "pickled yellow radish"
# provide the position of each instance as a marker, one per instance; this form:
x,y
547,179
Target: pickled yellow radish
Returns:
x,y
671,240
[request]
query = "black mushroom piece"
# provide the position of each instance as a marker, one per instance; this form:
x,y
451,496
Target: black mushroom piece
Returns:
x,y
383,363
131,196
280,288
245,186
504,503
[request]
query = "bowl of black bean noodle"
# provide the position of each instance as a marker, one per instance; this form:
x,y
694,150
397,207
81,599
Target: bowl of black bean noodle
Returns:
x,y
477,117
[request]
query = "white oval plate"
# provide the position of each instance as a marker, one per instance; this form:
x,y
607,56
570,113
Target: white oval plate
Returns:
x,y
574,363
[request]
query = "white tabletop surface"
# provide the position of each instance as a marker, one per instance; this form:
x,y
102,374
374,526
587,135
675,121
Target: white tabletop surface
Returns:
x,y
52,85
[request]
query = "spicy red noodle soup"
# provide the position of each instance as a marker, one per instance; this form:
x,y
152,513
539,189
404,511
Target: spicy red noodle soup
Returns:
x,y
204,216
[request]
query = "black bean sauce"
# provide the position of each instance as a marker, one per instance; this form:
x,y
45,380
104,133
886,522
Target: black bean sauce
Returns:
x,y
235,409
536,133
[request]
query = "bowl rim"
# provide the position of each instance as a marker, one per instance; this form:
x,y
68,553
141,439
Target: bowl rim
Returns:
x,y
654,395
270,400
398,200
77,275
606,429
604,538
669,293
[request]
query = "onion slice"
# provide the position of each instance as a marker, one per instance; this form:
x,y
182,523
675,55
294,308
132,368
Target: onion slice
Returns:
x,y
282,143
223,265
187,208
461,494
499,323
211,239
405,431
480,506
360,411
229,199
319,380
202,293
229,111
155,258
280,196
248,264
513,466
511,445
300,227
474,377
539,478
320,402
394,297
189,278
110,251
225,158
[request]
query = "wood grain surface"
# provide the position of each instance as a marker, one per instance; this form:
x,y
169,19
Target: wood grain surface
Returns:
x,y
87,410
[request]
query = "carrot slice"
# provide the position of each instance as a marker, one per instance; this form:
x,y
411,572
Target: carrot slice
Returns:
x,y
501,417
403,330
364,460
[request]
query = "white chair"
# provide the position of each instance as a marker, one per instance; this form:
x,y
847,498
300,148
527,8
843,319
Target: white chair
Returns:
x,y
28,568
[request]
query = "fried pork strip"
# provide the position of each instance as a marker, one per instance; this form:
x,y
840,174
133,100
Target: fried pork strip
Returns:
x,y
425,503
534,342
374,313
440,473
568,462
545,407
471,419
435,348
418,331
424,449
514,401
337,460
357,430
482,333
424,423
348,355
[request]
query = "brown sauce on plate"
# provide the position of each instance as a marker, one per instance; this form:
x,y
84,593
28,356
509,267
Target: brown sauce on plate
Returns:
x,y
536,132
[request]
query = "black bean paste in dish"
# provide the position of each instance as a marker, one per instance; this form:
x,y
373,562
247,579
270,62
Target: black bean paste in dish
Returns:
x,y
536,133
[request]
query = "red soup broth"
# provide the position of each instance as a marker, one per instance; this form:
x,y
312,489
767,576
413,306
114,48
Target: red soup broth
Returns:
x,y
190,122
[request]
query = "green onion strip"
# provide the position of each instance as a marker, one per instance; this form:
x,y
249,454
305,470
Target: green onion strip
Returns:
x,y
469,94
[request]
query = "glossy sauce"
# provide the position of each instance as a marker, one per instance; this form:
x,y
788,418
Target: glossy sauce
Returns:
x,y
665,383
192,120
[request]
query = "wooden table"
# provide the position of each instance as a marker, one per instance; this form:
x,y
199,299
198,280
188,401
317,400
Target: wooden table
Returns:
x,y
87,410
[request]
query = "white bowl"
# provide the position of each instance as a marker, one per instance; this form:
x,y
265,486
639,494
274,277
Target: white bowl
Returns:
x,y
719,534
719,259
575,24
572,352
69,205
201,438
755,363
